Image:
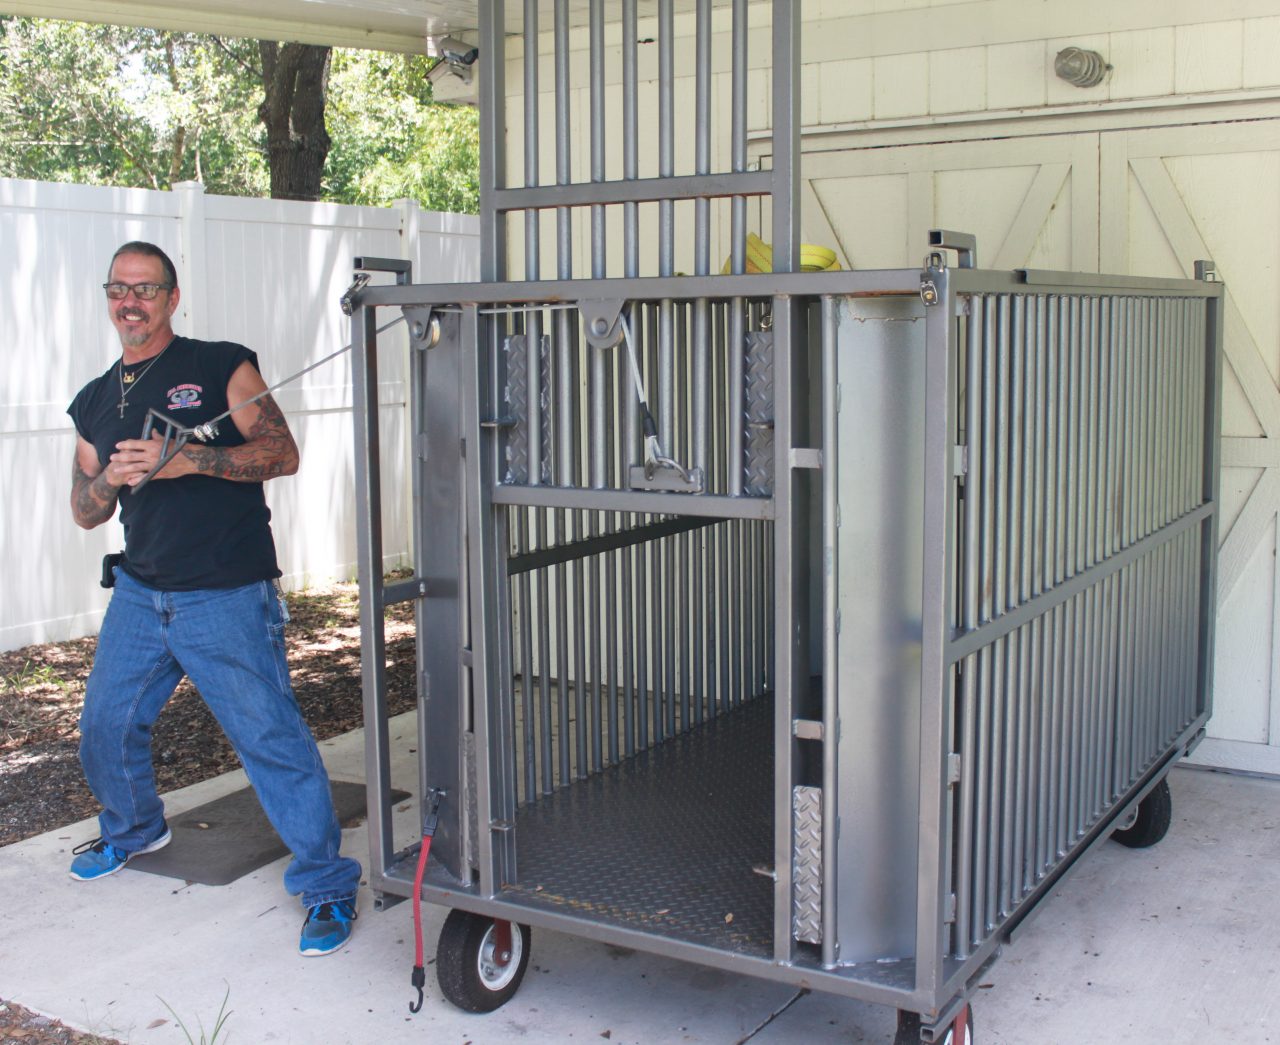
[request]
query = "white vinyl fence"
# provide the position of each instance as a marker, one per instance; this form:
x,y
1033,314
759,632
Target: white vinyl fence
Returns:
x,y
266,273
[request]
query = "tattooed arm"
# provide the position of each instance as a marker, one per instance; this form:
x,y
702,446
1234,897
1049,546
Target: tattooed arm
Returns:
x,y
268,450
94,489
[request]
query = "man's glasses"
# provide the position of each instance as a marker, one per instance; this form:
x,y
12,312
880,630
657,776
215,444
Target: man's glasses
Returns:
x,y
141,291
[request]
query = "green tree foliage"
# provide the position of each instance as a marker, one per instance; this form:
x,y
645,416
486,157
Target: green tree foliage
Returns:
x,y
390,141
106,105
109,105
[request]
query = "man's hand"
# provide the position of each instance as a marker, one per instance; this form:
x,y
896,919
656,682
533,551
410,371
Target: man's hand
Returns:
x,y
267,452
134,458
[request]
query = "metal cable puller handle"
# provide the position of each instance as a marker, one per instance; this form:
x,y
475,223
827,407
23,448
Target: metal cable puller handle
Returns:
x,y
174,436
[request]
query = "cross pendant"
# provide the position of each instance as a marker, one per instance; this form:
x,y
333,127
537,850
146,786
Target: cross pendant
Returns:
x,y
121,409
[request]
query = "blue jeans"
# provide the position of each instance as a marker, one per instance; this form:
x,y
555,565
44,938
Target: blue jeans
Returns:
x,y
231,644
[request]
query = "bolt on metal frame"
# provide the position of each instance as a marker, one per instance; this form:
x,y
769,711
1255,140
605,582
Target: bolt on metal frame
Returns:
x,y
1046,490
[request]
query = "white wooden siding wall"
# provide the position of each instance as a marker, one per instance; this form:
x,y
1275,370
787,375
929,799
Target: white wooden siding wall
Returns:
x,y
948,114
262,272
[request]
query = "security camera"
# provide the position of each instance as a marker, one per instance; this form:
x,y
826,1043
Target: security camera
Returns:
x,y
453,72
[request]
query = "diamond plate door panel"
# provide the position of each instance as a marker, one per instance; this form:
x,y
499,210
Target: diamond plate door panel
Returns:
x,y
759,414
517,397
806,864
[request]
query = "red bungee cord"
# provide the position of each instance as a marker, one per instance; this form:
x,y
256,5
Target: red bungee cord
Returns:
x,y
429,821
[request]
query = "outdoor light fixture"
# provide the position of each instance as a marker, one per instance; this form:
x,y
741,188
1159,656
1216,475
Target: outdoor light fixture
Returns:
x,y
1080,67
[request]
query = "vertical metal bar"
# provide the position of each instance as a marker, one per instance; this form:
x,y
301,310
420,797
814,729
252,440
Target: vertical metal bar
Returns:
x,y
974,406
581,676
986,668
546,759
791,647
564,172
599,259
1110,667
523,656
489,637
1015,751
593,632
936,677
1027,696
368,485
666,136
1055,564
702,133
493,152
1115,437
1208,419
610,668
738,248
630,138
830,633
532,239
644,646
1148,345
999,696
598,402
785,188
1038,402
564,674
738,145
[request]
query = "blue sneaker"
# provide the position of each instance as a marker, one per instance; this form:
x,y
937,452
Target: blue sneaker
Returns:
x,y
99,858
327,928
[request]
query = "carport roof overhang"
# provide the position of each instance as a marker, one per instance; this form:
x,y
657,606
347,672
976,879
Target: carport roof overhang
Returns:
x,y
384,25
381,25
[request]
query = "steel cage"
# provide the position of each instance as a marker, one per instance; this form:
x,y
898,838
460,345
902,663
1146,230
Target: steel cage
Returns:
x,y
954,561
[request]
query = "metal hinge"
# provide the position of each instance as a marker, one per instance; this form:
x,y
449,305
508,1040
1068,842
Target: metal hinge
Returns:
x,y
960,460
953,769
949,914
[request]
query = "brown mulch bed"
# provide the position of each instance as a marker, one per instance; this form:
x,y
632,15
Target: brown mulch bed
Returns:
x,y
42,689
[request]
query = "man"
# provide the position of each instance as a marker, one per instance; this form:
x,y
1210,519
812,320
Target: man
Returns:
x,y
195,593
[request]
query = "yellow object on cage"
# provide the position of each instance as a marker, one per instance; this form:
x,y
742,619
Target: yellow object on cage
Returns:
x,y
813,258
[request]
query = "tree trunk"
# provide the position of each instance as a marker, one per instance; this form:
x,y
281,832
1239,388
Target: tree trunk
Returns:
x,y
295,79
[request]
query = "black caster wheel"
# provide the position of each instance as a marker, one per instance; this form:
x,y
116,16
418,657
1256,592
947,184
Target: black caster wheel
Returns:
x,y
908,1028
480,961
1151,821
959,1032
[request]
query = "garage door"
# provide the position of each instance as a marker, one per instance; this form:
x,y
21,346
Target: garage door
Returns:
x,y
1149,202
1168,197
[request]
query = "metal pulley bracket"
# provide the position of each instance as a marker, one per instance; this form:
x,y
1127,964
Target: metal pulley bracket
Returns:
x,y
424,327
602,321
1206,271
665,478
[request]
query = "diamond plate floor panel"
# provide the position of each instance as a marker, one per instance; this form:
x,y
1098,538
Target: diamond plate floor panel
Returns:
x,y
668,842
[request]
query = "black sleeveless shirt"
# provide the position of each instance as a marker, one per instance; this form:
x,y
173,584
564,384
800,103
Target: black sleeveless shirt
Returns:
x,y
196,531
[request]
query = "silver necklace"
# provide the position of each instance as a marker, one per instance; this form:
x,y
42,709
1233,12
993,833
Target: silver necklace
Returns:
x,y
135,379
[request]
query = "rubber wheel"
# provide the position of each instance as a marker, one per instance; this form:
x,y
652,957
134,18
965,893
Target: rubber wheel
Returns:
x,y
909,1029
961,1030
1155,814
470,974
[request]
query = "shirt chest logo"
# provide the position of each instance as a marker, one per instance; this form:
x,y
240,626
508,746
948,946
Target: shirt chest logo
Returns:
x,y
184,397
